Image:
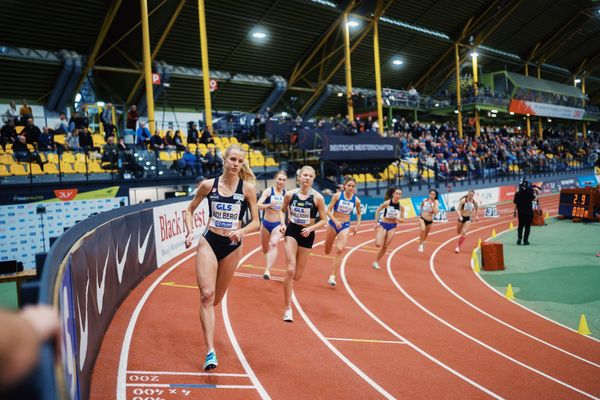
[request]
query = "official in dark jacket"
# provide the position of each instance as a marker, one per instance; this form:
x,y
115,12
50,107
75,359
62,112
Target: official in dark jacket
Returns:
x,y
524,208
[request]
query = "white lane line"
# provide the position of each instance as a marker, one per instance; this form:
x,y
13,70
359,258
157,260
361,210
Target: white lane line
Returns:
x,y
458,296
232,338
334,350
475,340
396,334
494,290
123,359
256,276
366,340
182,373
190,386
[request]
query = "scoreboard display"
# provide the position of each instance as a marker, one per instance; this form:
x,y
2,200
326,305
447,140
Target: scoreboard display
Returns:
x,y
579,203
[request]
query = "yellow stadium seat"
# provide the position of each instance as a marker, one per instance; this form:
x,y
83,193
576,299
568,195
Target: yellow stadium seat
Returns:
x,y
233,140
95,168
19,129
3,171
66,168
18,169
30,147
52,157
6,159
193,147
271,162
51,169
36,169
80,168
67,157
98,140
370,178
80,157
60,139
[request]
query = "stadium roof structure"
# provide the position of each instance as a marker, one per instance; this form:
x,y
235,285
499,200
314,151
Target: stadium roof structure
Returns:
x,y
303,45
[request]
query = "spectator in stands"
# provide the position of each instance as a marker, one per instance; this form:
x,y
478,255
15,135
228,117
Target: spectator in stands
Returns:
x,y
214,162
206,137
31,132
178,141
193,136
132,118
21,337
62,125
169,140
8,133
11,113
143,135
86,141
189,162
22,153
46,140
109,152
156,142
25,112
106,119
84,116
72,141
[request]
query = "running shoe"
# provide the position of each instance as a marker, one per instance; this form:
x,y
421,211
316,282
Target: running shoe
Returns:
x,y
267,275
457,249
287,315
421,248
376,265
211,361
331,280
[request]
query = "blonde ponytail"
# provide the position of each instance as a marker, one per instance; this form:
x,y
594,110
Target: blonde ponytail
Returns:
x,y
245,173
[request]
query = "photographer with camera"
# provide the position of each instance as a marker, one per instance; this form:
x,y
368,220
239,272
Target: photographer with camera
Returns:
x,y
524,207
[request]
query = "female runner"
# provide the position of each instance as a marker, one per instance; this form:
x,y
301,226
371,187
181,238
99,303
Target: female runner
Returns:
x,y
341,206
429,207
270,202
219,249
393,213
465,209
302,205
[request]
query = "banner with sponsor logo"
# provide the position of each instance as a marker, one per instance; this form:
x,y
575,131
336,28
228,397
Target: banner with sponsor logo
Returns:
x,y
24,232
587,181
109,262
68,335
170,229
545,110
507,193
362,147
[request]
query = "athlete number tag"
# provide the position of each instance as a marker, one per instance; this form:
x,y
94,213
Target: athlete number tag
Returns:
x,y
276,202
491,212
345,207
225,215
300,215
392,213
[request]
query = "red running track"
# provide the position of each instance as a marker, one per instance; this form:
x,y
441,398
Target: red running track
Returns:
x,y
424,327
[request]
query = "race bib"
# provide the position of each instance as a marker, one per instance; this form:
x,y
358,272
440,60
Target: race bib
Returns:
x,y
392,213
345,206
427,207
491,212
300,215
276,202
225,215
469,207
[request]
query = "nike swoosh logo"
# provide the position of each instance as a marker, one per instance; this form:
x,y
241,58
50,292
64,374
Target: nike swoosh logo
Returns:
x,y
100,286
142,250
83,330
121,262
68,347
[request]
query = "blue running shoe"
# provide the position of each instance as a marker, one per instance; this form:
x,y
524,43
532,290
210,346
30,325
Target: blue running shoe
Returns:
x,y
211,361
